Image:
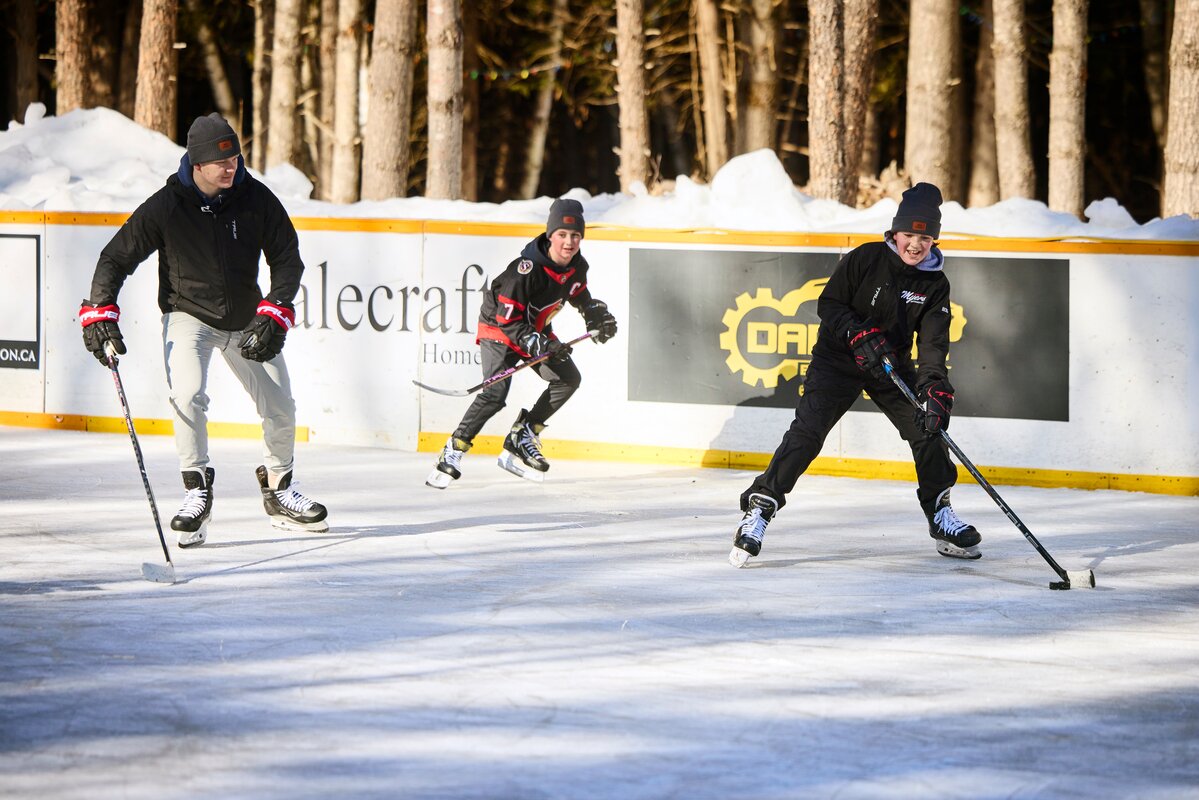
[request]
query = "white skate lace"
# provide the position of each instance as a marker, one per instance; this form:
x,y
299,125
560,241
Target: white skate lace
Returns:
x,y
949,521
753,526
292,499
452,456
528,442
193,503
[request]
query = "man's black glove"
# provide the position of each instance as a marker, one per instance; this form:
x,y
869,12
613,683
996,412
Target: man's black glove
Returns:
x,y
598,318
537,344
869,345
263,338
99,328
937,399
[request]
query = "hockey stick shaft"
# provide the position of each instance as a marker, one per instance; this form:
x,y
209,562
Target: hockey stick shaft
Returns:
x,y
137,449
504,374
978,476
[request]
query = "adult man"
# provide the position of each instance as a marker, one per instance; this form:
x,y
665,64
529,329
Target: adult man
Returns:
x,y
880,295
210,224
514,324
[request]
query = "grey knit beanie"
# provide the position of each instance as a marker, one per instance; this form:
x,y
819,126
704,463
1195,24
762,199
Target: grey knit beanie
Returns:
x,y
565,213
211,139
919,211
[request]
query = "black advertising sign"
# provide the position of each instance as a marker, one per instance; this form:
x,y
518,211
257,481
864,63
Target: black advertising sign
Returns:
x,y
737,328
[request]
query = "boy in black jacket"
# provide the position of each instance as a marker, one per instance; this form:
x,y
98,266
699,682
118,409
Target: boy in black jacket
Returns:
x,y
878,297
515,325
210,224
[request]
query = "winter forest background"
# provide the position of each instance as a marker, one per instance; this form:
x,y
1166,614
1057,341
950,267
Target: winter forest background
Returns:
x,y
1064,101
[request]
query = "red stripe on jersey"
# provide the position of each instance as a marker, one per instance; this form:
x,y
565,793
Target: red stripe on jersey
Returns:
x,y
508,310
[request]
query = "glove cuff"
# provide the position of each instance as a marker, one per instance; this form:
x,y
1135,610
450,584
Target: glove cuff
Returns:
x,y
90,315
281,315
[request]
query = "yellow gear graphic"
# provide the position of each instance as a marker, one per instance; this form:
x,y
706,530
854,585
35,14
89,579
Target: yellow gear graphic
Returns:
x,y
788,368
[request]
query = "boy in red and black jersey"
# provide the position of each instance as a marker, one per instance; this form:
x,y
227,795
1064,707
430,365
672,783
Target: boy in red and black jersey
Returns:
x,y
515,324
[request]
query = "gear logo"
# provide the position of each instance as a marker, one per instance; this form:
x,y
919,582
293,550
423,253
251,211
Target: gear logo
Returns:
x,y
770,331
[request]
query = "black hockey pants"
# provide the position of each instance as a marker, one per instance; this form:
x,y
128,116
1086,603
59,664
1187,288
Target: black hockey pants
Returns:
x,y
829,389
563,377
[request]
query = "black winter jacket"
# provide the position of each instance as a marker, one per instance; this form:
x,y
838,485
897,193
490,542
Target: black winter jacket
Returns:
x,y
872,283
208,250
529,292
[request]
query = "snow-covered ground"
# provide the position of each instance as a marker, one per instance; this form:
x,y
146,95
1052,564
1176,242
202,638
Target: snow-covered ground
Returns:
x,y
583,638
98,160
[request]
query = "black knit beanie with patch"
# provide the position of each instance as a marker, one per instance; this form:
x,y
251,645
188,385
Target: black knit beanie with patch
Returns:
x,y
567,214
211,139
919,211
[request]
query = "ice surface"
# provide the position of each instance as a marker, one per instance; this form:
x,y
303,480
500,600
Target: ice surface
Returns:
x,y
582,638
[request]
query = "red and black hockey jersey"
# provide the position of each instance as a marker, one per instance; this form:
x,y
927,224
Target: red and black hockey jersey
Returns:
x,y
528,293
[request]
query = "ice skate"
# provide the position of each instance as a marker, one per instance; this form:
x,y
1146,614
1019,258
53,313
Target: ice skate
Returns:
x,y
747,541
449,464
954,537
522,450
288,509
192,520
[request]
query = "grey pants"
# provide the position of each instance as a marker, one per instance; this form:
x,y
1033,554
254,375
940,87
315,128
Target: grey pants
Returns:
x,y
187,345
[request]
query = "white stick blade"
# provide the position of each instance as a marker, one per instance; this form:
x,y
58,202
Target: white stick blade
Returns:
x,y
159,573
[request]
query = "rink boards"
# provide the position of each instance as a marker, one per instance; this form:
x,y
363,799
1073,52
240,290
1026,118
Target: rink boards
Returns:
x,y
1072,360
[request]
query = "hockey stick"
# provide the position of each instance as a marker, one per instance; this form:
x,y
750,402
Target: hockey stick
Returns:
x,y
504,374
1069,579
151,572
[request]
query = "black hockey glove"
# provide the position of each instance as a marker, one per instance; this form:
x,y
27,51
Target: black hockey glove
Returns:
x,y
263,338
937,399
598,318
99,328
537,344
870,346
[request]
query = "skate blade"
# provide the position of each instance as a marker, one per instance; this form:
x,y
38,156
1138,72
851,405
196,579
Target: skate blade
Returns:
x,y
159,573
738,557
197,538
510,463
953,551
438,479
291,525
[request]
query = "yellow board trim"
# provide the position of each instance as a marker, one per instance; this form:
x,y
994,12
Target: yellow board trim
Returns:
x,y
838,467
146,427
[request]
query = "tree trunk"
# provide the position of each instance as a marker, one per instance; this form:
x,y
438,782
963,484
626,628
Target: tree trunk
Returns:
x,y
345,114
826,95
543,103
218,79
630,93
1067,106
929,151
444,40
1181,190
310,91
861,23
984,177
70,54
472,66
127,77
282,142
327,56
154,107
1153,33
104,56
716,123
260,82
25,46
761,123
1013,147
389,115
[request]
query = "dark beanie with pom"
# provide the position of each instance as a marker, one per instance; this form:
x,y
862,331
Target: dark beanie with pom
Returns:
x,y
565,213
919,211
211,139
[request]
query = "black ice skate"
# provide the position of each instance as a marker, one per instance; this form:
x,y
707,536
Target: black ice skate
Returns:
x,y
522,450
196,512
954,538
747,541
288,509
448,464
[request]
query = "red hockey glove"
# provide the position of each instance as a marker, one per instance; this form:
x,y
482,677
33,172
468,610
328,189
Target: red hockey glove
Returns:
x,y
99,328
